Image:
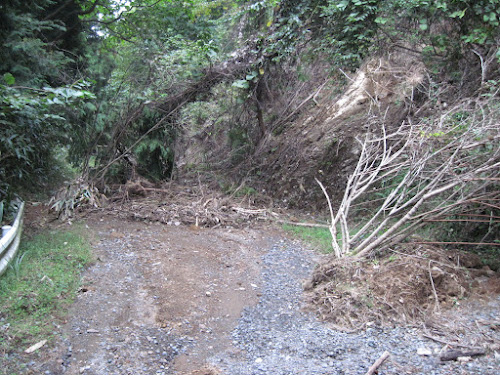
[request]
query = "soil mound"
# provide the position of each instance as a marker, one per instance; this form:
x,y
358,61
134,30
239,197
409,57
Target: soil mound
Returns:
x,y
407,285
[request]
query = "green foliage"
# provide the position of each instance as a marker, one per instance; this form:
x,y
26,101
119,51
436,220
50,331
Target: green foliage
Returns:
x,y
40,91
39,286
349,30
40,39
155,155
15,266
245,191
446,28
239,143
157,47
345,30
349,27
318,237
32,126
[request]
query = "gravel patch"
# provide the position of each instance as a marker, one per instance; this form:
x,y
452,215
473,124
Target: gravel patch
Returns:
x,y
112,330
277,337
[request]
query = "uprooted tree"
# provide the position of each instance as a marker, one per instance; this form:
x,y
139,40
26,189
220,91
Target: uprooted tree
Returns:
x,y
419,174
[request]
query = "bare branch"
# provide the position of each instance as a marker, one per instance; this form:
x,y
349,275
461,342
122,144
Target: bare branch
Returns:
x,y
425,171
332,228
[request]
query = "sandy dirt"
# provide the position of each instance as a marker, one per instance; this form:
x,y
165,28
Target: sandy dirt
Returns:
x,y
159,299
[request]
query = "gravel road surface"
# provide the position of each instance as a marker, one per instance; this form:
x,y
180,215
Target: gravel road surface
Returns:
x,y
175,300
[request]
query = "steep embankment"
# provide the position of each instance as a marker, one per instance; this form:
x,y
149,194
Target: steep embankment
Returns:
x,y
322,141
318,137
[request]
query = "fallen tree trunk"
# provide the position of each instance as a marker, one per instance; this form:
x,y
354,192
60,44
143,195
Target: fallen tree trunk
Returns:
x,y
170,106
225,71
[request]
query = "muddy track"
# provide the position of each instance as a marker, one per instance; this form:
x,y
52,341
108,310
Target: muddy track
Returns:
x,y
166,299
158,293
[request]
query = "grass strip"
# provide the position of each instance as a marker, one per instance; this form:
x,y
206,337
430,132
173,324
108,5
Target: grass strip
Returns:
x,y
39,286
317,237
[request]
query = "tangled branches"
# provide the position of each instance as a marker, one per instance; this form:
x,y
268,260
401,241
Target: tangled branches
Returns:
x,y
419,173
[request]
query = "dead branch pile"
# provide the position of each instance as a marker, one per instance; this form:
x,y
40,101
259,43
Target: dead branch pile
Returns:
x,y
177,204
75,195
402,287
419,173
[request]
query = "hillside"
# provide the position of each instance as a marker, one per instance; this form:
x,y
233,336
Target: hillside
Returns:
x,y
389,125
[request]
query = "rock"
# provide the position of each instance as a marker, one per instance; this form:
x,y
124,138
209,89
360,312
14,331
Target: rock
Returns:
x,y
83,369
35,347
424,351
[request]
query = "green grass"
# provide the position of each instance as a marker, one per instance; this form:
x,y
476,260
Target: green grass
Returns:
x,y
317,237
39,286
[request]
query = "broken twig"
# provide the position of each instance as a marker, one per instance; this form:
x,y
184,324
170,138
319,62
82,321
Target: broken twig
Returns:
x,y
378,363
452,355
436,306
441,341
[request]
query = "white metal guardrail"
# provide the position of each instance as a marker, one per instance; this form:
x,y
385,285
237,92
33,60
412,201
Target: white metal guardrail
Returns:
x,y
9,243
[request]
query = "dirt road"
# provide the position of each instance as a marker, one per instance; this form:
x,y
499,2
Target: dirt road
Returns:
x,y
174,300
159,299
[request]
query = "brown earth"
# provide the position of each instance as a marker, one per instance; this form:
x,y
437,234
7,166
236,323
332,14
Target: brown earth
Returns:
x,y
157,290
414,284
163,298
